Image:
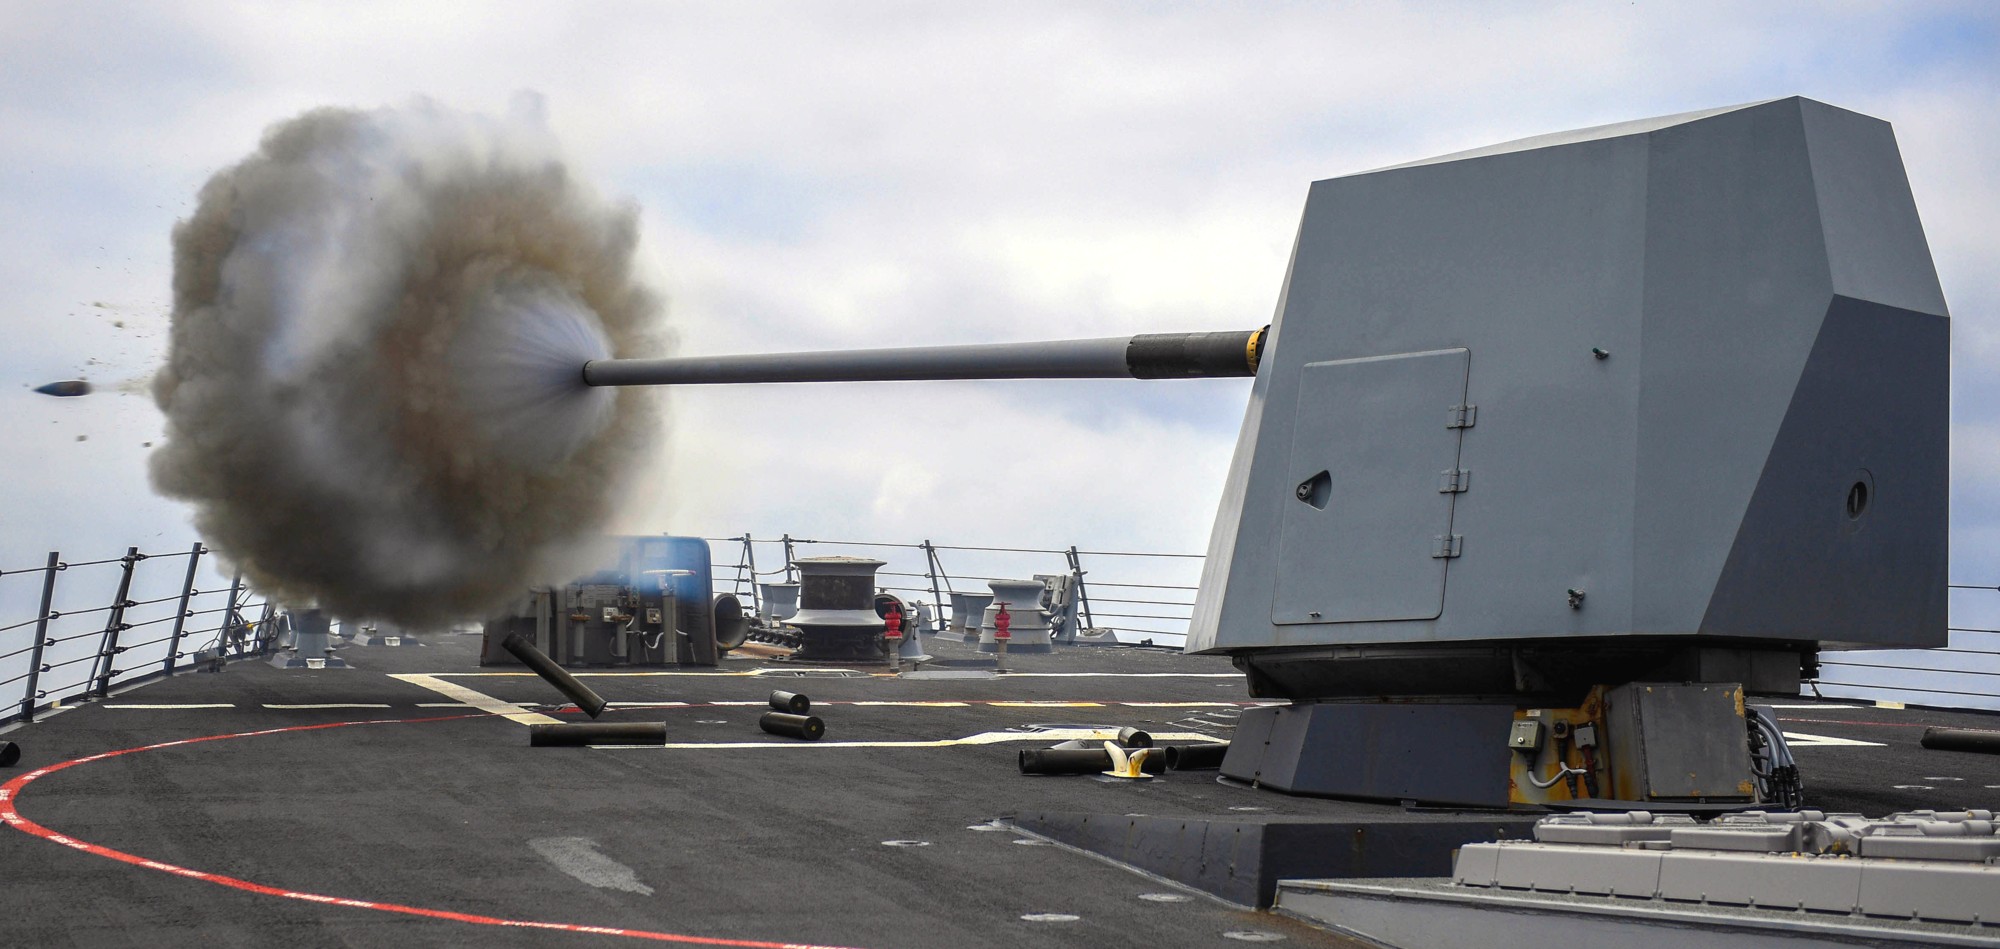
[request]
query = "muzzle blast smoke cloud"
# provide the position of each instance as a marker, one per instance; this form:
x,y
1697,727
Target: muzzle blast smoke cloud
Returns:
x,y
373,391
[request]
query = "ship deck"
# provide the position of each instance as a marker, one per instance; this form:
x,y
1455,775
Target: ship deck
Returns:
x,y
398,803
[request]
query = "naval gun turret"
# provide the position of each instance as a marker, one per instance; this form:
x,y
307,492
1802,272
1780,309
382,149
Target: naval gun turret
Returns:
x,y
1556,449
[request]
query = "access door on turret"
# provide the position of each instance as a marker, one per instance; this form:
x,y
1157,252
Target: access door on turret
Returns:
x,y
1374,471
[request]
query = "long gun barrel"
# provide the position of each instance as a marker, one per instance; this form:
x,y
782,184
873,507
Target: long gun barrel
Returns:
x,y
1147,356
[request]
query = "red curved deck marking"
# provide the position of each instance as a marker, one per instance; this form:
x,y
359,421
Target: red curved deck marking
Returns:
x,y
10,793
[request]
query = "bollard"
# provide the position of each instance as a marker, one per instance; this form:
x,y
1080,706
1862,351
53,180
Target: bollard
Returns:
x,y
9,754
791,702
1196,757
792,726
591,703
1135,764
579,734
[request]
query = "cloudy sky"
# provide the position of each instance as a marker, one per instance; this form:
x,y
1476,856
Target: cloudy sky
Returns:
x,y
856,174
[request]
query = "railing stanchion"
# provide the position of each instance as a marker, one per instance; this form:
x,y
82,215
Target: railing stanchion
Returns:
x,y
931,573
750,557
232,622
180,619
41,636
108,646
1082,595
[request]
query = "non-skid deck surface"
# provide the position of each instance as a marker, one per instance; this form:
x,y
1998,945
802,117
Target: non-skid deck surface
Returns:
x,y
879,836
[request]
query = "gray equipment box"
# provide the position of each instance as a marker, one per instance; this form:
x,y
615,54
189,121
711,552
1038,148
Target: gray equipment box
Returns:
x,y
1677,743
1674,385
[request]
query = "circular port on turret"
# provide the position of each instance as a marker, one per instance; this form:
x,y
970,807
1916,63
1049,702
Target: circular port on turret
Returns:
x,y
1858,496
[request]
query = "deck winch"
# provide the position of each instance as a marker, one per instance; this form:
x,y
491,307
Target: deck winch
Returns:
x,y
1556,449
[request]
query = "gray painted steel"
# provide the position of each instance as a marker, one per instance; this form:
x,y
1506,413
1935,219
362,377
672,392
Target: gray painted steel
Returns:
x,y
1147,356
1028,623
1421,914
1066,359
1242,858
1369,428
1688,338
1443,754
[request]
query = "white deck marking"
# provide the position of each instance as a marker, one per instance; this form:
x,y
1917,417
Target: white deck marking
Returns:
x,y
983,738
463,705
1203,704
478,700
330,705
164,708
1803,740
578,857
1812,705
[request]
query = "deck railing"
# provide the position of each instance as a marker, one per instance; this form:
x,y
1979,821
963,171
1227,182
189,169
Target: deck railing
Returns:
x,y
94,626
1965,674
70,630
1962,674
1117,590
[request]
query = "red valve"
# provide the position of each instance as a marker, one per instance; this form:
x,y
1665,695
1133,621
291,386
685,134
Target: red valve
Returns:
x,y
894,619
1001,621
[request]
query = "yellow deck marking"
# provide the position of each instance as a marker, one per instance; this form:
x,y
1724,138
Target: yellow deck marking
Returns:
x,y
794,673
983,738
1200,704
1124,675
478,700
909,704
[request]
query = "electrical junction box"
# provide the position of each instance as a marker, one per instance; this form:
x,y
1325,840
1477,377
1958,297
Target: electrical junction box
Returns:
x,y
1700,365
1526,735
1677,742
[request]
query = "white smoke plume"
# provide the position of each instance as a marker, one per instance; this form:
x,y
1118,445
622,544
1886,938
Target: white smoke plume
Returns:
x,y
374,391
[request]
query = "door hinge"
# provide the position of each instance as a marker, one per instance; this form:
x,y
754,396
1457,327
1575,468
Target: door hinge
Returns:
x,y
1447,546
1461,416
1454,480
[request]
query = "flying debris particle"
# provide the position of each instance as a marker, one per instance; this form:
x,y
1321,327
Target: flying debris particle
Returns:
x,y
72,387
145,444
83,438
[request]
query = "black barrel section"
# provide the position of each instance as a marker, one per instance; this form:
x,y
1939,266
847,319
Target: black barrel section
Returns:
x,y
792,726
10,753
1064,760
578,734
1195,355
1196,757
1962,739
1078,761
1129,737
732,625
791,702
591,703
